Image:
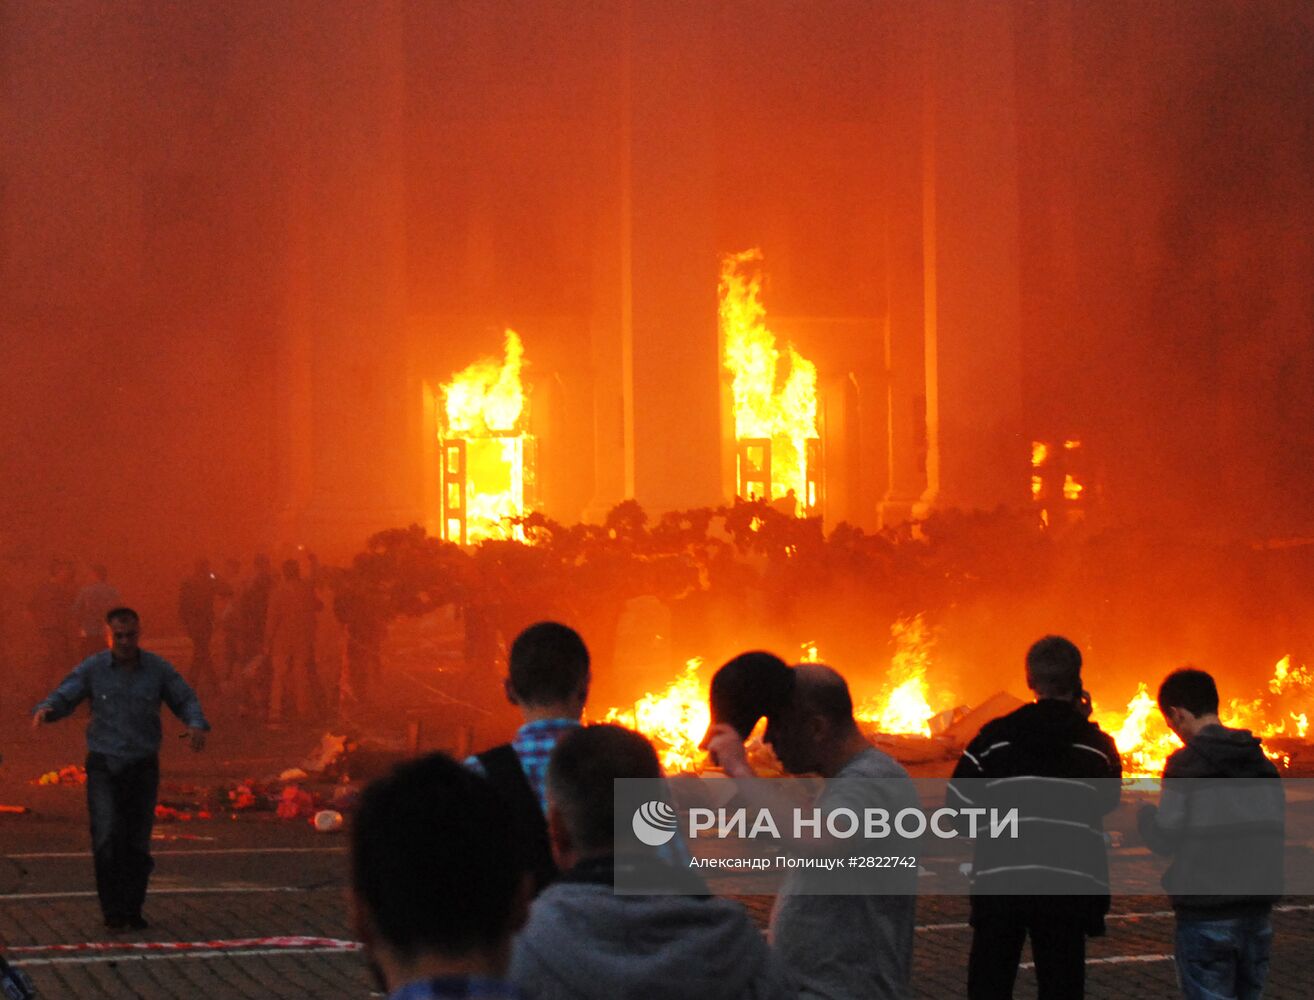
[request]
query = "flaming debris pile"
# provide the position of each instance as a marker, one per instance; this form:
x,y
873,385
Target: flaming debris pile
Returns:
x,y
924,621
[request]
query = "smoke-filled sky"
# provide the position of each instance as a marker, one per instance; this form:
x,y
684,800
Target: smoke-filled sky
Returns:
x,y
236,238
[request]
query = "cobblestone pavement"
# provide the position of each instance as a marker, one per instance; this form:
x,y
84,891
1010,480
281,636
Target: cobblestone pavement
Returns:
x,y
256,908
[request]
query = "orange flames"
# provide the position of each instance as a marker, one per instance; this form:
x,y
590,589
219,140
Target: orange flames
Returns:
x,y
674,718
484,405
1145,742
903,706
775,396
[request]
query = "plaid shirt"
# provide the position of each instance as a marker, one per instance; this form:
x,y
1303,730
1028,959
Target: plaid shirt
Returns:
x,y
458,988
533,744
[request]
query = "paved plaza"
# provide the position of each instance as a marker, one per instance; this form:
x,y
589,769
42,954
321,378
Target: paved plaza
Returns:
x,y
256,907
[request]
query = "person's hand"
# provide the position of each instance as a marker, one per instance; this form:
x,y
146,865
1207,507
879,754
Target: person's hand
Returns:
x,y
726,749
197,738
39,716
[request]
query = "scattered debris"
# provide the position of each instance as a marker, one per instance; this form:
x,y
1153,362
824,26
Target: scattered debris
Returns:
x,y
69,774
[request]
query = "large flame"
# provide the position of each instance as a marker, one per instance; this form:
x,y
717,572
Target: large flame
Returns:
x,y
484,404
775,397
487,397
674,718
904,706
1145,742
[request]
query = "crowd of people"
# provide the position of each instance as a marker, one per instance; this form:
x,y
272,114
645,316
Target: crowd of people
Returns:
x,y
525,836
252,635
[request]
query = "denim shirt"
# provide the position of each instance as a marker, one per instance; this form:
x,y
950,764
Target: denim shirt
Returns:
x,y
125,703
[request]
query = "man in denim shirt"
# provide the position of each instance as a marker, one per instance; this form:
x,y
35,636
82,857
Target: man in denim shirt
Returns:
x,y
125,685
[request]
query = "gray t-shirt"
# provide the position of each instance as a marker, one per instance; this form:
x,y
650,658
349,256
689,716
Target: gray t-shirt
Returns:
x,y
850,947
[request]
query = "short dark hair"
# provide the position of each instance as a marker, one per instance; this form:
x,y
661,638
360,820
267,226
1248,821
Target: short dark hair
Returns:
x,y
433,859
1054,667
548,663
114,613
580,779
1191,689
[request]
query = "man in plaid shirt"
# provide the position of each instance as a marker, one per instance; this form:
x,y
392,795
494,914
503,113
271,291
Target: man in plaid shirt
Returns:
x,y
548,680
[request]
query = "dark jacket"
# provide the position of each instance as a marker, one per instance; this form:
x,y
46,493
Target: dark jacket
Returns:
x,y
1222,819
1063,775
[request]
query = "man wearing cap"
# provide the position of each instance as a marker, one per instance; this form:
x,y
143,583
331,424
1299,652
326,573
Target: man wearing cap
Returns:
x,y
834,947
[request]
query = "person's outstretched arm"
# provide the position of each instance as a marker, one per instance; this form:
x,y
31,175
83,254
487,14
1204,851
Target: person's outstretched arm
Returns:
x,y
71,692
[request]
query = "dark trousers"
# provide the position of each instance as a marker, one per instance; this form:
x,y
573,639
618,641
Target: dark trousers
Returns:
x,y
121,802
1058,945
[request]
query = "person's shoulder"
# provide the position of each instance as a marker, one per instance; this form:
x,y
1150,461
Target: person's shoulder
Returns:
x,y
157,662
873,763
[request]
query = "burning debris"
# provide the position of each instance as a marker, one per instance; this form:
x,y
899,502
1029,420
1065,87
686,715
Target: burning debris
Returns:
x,y
903,708
1145,742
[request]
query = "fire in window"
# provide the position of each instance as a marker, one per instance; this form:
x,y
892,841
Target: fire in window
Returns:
x,y
487,455
774,396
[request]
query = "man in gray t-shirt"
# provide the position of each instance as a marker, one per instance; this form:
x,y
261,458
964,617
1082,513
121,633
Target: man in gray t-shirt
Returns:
x,y
836,947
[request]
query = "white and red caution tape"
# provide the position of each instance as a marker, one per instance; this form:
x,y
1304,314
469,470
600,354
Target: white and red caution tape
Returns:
x,y
227,944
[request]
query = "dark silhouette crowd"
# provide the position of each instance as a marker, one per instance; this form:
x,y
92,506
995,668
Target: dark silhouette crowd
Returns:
x,y
526,836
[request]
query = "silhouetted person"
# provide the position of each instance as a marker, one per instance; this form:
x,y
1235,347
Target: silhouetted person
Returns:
x,y
51,611
1221,818
196,599
1063,775
90,607
548,680
253,606
228,618
290,640
436,894
832,945
125,685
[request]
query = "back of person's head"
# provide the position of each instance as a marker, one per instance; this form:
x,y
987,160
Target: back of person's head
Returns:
x,y
549,663
822,691
432,862
1191,689
581,773
1054,668
291,569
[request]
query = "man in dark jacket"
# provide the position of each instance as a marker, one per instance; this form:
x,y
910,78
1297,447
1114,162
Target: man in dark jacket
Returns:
x,y
1062,773
1221,817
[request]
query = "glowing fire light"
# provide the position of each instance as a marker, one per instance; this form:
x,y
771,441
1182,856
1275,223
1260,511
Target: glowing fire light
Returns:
x,y
903,706
1145,742
1039,452
1071,488
775,398
485,450
674,718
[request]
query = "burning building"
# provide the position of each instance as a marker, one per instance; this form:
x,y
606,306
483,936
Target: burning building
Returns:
x,y
861,254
